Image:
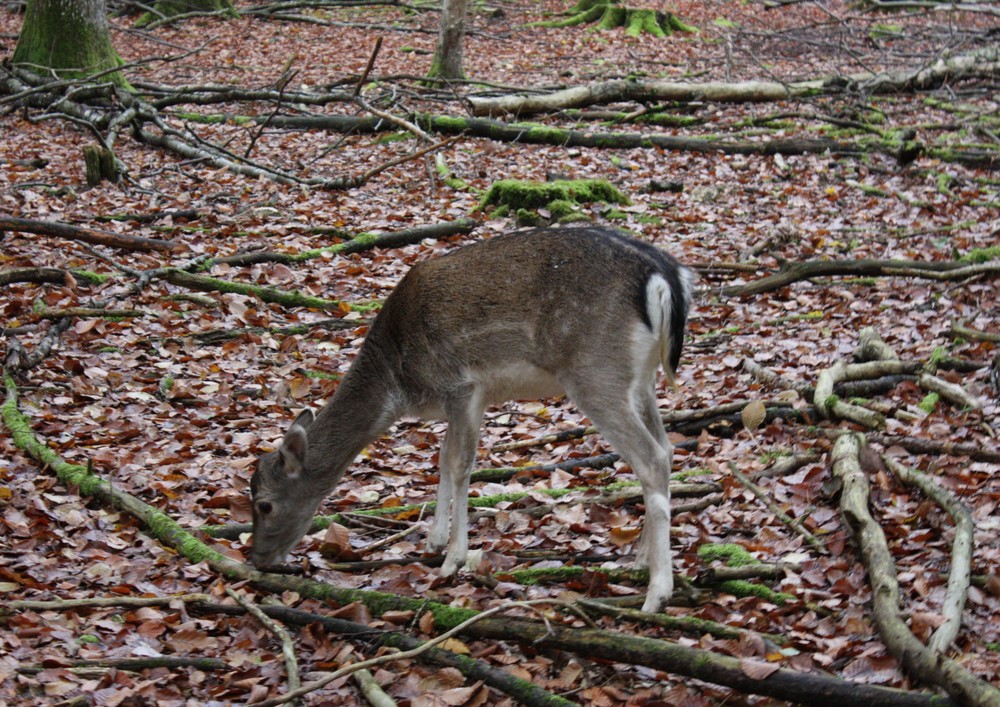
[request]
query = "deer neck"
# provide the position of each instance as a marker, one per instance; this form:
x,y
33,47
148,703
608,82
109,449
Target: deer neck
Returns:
x,y
361,409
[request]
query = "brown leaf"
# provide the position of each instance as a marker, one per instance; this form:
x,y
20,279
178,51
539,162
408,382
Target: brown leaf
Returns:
x,y
757,669
621,536
336,543
753,415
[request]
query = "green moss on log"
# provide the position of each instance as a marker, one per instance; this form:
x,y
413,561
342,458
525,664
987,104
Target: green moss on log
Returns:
x,y
267,294
522,194
982,255
732,554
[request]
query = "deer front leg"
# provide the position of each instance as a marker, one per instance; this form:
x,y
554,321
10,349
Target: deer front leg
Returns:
x,y
458,454
437,539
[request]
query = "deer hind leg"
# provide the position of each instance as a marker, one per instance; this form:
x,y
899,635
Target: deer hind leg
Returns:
x,y
450,528
650,413
630,422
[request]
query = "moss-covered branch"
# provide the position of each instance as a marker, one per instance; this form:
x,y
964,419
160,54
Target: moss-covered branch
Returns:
x,y
784,684
267,294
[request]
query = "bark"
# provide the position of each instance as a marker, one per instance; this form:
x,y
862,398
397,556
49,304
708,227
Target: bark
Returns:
x,y
86,235
357,244
919,661
791,273
68,39
266,294
170,662
961,551
981,63
447,60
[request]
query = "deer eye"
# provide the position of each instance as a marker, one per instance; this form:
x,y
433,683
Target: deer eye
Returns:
x,y
264,508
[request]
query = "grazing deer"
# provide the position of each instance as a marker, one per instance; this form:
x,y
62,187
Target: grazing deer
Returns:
x,y
587,312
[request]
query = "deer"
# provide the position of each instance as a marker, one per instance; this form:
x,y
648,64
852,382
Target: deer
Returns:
x,y
586,312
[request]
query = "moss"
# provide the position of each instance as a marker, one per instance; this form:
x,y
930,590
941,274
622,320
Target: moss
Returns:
x,y
393,137
45,47
981,255
92,278
929,403
267,294
321,375
449,124
529,577
743,588
939,355
608,15
734,555
521,194
560,208
213,119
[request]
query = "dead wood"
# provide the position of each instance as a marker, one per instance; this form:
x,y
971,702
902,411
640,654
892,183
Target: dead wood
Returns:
x,y
792,272
171,662
961,551
979,63
960,329
53,276
871,347
357,244
811,688
86,235
90,312
523,691
919,661
917,445
793,523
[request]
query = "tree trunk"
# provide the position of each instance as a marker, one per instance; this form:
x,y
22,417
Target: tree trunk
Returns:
x,y
447,61
68,38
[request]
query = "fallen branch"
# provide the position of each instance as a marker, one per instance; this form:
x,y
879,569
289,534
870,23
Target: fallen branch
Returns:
x,y
266,294
979,63
918,445
53,276
170,662
961,551
950,391
812,688
793,523
792,272
959,329
832,406
523,691
919,661
287,644
356,244
86,235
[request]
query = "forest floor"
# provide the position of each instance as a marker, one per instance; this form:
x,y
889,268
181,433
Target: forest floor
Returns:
x,y
177,419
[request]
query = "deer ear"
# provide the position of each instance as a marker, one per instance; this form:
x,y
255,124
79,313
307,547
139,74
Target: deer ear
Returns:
x,y
293,450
